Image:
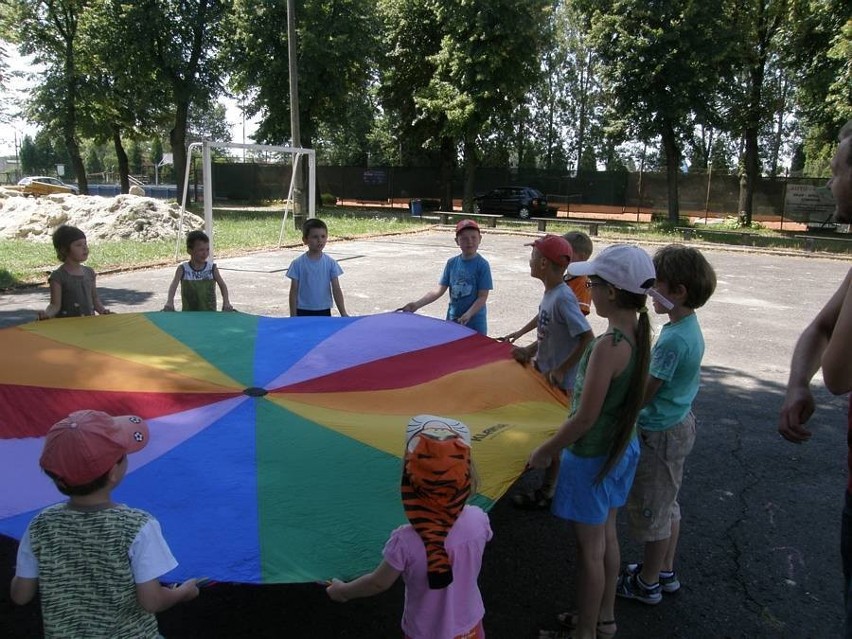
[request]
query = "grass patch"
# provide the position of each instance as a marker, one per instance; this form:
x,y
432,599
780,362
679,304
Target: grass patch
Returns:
x,y
24,262
254,228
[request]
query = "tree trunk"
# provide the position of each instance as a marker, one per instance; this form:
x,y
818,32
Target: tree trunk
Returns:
x,y
471,162
584,100
123,164
448,163
69,124
779,126
672,169
751,173
177,139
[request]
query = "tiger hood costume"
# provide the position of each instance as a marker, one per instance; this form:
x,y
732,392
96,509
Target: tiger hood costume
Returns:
x,y
436,484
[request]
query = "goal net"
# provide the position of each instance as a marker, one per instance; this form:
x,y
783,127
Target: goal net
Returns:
x,y
297,155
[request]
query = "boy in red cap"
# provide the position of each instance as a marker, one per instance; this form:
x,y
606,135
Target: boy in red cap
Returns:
x,y
95,562
562,335
468,276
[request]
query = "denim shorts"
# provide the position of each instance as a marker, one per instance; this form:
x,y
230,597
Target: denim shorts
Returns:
x,y
652,505
578,498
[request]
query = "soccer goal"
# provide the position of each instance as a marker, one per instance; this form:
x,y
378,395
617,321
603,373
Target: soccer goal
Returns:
x,y
298,156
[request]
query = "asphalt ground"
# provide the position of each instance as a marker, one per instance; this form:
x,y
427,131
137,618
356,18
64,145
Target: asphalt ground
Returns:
x,y
759,550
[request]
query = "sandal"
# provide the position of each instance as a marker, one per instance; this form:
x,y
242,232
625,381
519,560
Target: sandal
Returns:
x,y
605,629
536,500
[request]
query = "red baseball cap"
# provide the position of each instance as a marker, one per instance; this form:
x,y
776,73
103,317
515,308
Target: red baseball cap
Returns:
x,y
555,248
88,443
466,224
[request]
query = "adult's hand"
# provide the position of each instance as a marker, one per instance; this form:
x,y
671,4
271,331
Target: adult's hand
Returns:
x,y
795,412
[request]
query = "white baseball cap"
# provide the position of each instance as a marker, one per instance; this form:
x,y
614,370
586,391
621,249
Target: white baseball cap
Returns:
x,y
625,266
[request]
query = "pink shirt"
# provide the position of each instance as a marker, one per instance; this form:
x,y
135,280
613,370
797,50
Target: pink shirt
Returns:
x,y
445,613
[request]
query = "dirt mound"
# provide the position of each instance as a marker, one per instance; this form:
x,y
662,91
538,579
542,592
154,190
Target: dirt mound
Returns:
x,y
124,217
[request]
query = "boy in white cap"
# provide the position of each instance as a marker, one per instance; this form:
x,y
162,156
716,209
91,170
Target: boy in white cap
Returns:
x,y
96,563
562,335
468,277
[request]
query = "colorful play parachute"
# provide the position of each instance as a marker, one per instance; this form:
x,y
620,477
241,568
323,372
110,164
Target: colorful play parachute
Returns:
x,y
276,443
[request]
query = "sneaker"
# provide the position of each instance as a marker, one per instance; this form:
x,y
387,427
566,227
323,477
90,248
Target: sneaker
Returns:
x,y
632,587
669,583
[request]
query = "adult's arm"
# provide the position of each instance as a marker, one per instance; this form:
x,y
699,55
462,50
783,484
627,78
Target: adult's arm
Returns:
x,y
837,358
798,403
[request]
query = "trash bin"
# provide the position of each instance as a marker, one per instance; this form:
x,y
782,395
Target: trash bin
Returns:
x,y
415,207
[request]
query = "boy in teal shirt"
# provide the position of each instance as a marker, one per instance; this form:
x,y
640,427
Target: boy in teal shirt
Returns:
x,y
666,423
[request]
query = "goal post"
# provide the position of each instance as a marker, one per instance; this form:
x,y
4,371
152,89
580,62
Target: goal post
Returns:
x,y
297,153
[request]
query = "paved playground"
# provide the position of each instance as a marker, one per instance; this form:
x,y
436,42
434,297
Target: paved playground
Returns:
x,y
759,548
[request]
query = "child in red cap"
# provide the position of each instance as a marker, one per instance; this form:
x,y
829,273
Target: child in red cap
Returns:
x,y
562,335
468,276
96,563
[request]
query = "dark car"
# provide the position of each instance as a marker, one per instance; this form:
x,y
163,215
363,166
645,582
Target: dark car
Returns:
x,y
521,201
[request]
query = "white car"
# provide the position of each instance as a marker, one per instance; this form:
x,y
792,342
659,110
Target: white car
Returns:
x,y
43,184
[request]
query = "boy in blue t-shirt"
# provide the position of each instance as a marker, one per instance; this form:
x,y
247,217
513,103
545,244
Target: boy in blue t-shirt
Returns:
x,y
666,423
468,277
314,276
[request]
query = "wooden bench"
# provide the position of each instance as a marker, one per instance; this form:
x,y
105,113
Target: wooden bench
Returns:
x,y
810,241
591,225
488,217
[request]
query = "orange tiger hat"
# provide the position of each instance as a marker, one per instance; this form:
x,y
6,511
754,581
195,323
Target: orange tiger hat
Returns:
x,y
435,486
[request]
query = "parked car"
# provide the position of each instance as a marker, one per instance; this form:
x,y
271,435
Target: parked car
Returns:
x,y
521,201
44,185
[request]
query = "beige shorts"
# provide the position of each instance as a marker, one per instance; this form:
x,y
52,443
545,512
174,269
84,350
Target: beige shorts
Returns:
x,y
652,505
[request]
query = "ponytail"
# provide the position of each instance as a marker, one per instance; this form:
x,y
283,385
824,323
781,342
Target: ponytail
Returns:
x,y
638,380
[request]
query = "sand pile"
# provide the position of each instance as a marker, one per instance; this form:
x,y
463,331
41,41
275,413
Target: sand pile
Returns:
x,y
124,217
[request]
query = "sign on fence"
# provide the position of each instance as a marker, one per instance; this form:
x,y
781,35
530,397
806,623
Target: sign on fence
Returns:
x,y
807,203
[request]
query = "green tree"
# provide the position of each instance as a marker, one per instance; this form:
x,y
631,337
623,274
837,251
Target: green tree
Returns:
x,y
660,64
759,25
183,40
29,157
336,48
817,50
209,122
93,161
468,65
121,97
49,29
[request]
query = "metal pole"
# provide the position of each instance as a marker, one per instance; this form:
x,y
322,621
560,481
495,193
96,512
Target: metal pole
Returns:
x,y
641,173
296,141
17,160
707,199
